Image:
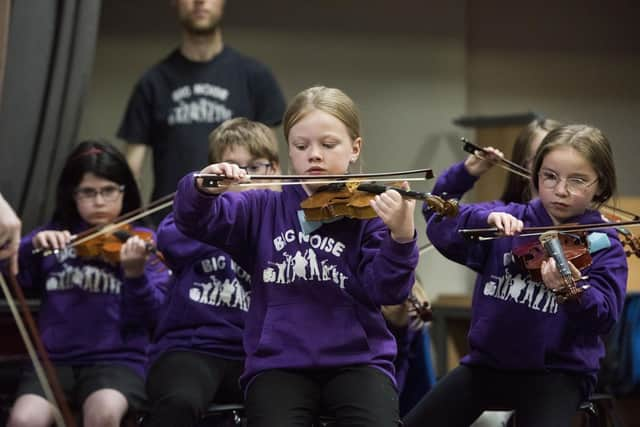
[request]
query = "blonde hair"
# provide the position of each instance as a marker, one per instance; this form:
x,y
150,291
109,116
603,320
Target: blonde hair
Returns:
x,y
330,100
592,145
259,140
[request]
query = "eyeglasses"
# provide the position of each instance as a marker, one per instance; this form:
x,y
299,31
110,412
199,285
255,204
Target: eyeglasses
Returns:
x,y
257,168
109,193
574,185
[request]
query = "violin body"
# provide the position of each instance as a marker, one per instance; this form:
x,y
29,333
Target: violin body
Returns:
x,y
343,202
531,255
106,247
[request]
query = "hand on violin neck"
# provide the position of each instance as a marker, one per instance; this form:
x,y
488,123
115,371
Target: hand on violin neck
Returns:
x,y
232,173
396,213
506,223
133,255
551,276
51,239
480,162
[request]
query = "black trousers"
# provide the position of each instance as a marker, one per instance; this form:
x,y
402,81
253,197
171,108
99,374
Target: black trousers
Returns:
x,y
181,384
540,399
355,396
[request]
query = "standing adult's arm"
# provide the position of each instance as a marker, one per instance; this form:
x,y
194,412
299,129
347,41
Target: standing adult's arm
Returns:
x,y
10,228
135,158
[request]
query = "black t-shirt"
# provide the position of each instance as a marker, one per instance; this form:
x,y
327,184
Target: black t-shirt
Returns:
x,y
178,102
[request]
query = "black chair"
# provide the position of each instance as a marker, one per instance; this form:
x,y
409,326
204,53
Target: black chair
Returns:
x,y
598,411
231,414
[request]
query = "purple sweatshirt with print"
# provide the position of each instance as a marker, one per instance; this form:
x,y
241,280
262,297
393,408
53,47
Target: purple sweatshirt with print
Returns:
x,y
89,312
207,302
517,323
315,300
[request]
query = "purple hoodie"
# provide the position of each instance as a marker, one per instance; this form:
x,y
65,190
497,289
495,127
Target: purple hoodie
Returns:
x,y
90,313
207,302
316,298
518,323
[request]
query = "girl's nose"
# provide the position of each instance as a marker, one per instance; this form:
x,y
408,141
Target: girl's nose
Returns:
x,y
315,153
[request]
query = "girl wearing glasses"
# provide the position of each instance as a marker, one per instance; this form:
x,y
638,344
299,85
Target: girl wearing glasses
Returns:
x,y
94,315
529,351
197,355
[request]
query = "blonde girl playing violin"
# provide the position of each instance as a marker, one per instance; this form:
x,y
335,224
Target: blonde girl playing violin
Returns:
x,y
94,314
315,338
529,350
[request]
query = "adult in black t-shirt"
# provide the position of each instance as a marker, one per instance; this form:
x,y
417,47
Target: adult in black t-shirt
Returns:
x,y
179,101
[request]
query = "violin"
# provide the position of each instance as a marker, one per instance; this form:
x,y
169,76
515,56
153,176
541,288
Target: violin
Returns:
x,y
351,199
574,246
415,312
563,248
106,247
421,310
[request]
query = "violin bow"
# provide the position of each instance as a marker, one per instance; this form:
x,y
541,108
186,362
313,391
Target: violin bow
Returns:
x,y
508,165
212,180
52,389
122,220
493,233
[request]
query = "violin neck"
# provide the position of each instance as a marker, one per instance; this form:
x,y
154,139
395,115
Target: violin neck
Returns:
x,y
379,189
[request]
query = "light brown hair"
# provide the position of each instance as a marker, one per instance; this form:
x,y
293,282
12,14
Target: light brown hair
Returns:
x,y
259,140
590,143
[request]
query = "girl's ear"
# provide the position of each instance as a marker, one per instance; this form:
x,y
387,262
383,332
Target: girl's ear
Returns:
x,y
275,168
356,148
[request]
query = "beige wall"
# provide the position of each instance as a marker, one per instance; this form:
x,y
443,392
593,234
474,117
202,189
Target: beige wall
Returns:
x,y
412,69
576,61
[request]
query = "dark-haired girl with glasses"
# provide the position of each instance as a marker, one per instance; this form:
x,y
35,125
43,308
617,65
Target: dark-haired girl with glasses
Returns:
x,y
530,349
94,315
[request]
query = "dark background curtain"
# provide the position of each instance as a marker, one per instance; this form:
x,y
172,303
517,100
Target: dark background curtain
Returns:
x,y
49,55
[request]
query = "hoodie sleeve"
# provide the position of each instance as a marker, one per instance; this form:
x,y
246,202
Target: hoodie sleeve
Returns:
x,y
144,296
444,234
600,306
179,250
387,268
217,220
